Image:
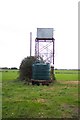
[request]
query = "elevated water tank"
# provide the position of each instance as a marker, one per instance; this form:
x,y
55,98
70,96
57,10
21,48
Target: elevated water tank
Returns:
x,y
41,71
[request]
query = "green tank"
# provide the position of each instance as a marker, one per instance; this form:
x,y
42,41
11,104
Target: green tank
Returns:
x,y
41,71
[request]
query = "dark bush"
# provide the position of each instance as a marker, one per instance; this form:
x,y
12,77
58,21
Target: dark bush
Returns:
x,y
25,68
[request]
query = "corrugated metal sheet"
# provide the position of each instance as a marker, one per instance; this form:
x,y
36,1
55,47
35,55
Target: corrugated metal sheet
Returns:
x,y
44,32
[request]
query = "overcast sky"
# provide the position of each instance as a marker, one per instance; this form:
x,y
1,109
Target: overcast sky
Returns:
x,y
20,17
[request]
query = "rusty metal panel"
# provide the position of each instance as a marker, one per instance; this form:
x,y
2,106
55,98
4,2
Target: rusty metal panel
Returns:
x,y
44,32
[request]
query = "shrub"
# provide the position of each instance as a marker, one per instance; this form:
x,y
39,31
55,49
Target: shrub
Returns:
x,y
25,68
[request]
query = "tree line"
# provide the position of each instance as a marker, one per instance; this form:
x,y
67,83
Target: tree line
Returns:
x,y
12,68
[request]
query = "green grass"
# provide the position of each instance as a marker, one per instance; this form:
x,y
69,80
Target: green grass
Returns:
x,y
67,77
58,100
67,74
0,94
9,74
60,75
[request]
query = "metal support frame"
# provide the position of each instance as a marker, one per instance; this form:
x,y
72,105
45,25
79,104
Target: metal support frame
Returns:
x,y
38,50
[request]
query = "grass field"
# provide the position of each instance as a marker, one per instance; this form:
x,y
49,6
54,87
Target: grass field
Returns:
x,y
58,100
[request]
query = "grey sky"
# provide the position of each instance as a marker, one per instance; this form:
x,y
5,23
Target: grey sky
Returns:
x,y
20,17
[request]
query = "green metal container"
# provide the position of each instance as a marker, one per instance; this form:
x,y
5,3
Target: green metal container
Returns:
x,y
41,71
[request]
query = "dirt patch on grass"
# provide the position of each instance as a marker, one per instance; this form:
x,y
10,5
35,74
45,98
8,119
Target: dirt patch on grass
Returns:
x,y
40,100
70,82
48,89
72,109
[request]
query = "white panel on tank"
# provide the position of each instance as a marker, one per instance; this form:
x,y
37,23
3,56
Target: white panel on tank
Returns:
x,y
44,32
